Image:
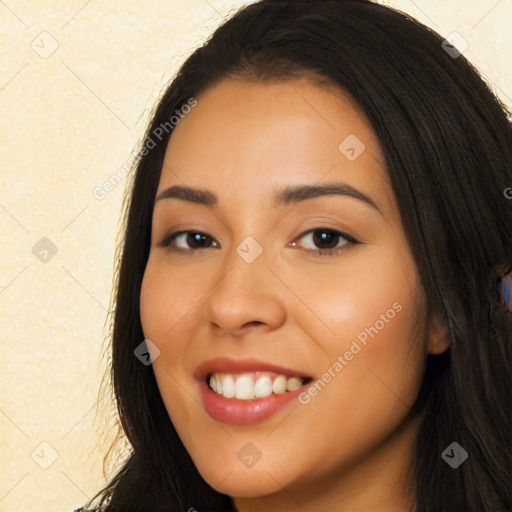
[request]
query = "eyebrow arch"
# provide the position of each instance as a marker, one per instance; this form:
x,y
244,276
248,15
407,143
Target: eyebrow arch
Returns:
x,y
298,193
192,195
281,197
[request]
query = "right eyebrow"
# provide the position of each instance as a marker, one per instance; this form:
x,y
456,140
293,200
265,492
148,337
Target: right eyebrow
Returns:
x,y
192,195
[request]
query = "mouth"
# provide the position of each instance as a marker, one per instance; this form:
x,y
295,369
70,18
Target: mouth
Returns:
x,y
247,391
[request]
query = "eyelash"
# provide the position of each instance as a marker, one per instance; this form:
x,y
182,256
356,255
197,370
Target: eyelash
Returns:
x,y
169,241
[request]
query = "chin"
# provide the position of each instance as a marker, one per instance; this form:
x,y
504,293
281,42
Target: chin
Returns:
x,y
248,484
236,480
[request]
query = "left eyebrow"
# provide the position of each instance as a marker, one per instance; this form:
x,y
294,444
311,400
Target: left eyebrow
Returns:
x,y
298,193
281,197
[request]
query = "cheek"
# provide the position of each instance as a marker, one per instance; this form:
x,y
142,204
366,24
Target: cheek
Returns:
x,y
165,300
368,297
370,376
168,295
364,319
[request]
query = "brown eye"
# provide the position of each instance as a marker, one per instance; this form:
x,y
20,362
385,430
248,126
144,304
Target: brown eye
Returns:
x,y
197,240
188,241
326,242
325,239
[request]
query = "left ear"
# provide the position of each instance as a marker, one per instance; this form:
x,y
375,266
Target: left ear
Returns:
x,y
438,339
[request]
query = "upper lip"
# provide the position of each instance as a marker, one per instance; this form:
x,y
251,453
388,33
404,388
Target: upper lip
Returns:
x,y
228,365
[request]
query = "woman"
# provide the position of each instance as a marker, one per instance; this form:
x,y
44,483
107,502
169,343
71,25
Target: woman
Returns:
x,y
315,255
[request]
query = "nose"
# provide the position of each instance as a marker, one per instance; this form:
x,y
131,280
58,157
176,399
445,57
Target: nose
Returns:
x,y
246,295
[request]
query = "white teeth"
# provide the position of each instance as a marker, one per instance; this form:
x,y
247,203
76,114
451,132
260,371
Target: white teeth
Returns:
x,y
248,386
228,385
279,386
263,387
244,387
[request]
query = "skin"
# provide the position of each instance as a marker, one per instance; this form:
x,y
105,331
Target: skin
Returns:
x,y
349,447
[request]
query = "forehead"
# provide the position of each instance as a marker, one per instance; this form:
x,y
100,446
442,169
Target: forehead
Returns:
x,y
253,137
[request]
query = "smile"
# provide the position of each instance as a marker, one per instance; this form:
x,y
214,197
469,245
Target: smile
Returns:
x,y
247,391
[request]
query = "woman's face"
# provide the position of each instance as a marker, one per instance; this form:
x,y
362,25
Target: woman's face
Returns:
x,y
264,293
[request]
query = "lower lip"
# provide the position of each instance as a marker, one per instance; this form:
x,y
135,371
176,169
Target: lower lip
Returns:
x,y
240,412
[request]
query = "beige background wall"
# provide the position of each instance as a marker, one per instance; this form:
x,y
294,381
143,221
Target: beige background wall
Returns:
x,y
69,120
